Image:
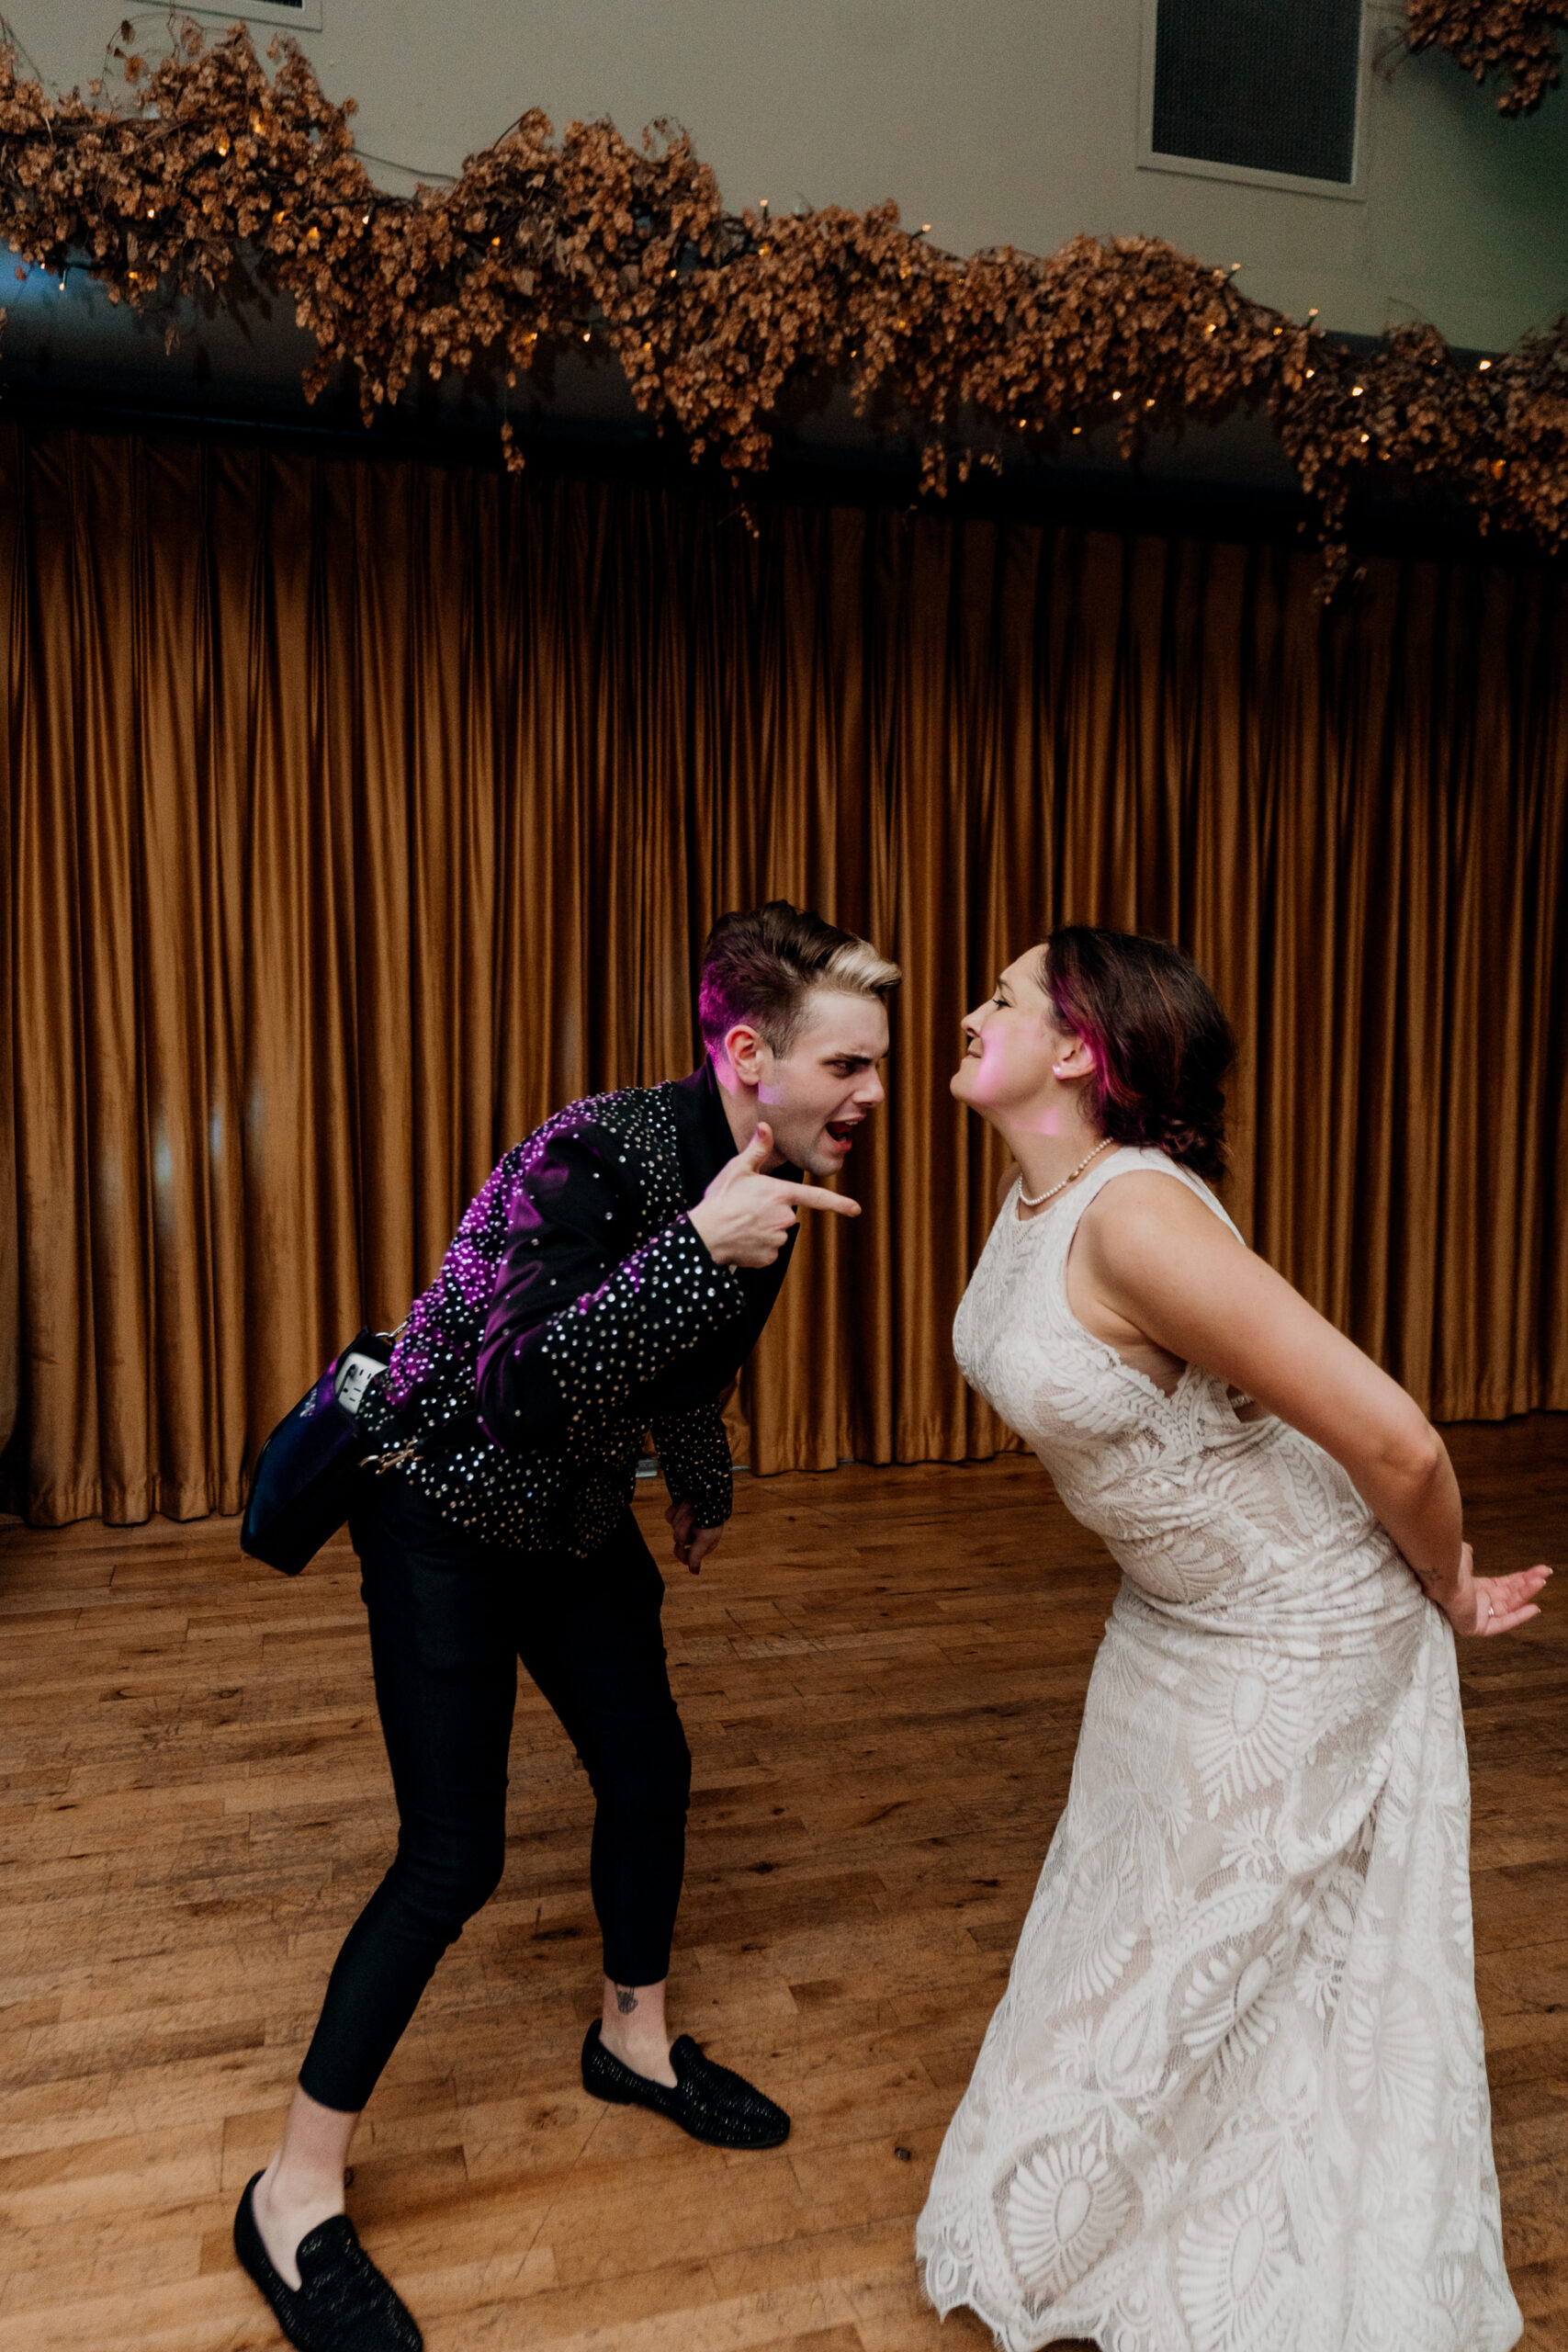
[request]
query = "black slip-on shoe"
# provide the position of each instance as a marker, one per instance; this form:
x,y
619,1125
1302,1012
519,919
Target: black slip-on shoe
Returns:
x,y
709,2101
342,2303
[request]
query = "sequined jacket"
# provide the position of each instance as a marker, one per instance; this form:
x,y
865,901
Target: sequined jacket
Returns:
x,y
577,1308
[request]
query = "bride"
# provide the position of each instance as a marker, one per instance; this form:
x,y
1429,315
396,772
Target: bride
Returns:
x,y
1234,2096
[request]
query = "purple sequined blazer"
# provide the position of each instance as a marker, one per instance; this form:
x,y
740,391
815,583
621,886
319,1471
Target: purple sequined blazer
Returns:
x,y
576,1309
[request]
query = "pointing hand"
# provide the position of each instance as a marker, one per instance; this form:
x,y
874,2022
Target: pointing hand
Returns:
x,y
745,1217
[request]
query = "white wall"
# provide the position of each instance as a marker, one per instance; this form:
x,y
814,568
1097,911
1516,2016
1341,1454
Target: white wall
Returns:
x,y
997,120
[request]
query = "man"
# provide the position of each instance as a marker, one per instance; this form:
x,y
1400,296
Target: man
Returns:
x,y
613,1274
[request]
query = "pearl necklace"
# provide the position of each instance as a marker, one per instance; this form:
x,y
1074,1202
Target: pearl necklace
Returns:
x,y
1038,1199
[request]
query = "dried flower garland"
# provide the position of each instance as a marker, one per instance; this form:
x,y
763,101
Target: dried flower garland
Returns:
x,y
217,174
1512,37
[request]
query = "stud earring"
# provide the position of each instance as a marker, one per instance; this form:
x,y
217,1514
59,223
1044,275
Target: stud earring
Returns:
x,y
1055,1070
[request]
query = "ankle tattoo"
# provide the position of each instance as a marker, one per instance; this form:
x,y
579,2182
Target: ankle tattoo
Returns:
x,y
626,1998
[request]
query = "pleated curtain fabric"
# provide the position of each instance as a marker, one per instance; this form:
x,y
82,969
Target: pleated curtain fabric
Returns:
x,y
358,815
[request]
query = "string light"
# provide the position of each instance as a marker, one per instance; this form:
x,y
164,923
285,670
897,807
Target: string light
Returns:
x,y
1484,365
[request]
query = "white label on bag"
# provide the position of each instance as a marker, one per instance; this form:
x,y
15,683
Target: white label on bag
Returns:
x,y
355,1374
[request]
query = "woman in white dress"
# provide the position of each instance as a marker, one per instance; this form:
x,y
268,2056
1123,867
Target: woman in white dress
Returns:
x,y
1234,2097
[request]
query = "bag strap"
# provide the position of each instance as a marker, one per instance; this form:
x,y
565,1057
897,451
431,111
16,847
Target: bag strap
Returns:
x,y
431,1445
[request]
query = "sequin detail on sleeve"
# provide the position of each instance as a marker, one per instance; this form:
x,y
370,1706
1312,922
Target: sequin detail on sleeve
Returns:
x,y
693,1453
569,1493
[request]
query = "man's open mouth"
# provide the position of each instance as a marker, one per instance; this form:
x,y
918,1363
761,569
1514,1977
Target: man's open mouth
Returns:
x,y
842,1131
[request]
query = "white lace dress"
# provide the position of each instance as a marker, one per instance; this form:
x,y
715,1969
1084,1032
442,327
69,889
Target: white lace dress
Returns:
x,y
1234,2097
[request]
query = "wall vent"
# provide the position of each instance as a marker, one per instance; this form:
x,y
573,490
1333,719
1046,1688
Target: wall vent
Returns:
x,y
1262,85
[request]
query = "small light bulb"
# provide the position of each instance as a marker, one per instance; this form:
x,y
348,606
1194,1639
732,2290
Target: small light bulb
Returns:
x,y
1484,365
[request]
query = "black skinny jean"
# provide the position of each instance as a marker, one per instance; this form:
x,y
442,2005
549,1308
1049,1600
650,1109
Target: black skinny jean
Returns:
x,y
449,1619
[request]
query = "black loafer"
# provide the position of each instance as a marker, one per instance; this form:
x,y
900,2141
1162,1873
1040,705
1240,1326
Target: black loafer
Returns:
x,y
342,2303
709,2101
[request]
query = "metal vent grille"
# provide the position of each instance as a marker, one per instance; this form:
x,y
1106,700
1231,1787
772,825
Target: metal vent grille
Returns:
x,y
1268,85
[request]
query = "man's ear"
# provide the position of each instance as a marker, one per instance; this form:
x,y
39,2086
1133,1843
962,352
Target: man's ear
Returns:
x,y
748,1053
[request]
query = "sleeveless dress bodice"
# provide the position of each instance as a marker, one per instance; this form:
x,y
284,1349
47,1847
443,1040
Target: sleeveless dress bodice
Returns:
x,y
1234,2097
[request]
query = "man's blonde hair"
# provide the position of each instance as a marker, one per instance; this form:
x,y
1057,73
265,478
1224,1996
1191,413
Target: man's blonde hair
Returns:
x,y
761,966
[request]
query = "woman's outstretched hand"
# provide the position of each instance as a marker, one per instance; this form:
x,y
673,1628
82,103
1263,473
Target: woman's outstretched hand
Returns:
x,y
1481,1605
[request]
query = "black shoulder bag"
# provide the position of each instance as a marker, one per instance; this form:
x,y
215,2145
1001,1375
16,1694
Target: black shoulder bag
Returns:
x,y
304,1480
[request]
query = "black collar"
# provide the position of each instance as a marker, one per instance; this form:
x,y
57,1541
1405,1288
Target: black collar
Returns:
x,y
706,1142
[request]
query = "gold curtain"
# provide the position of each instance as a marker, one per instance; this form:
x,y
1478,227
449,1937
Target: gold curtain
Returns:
x,y
358,815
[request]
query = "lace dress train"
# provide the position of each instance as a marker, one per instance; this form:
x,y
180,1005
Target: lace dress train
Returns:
x,y
1234,2096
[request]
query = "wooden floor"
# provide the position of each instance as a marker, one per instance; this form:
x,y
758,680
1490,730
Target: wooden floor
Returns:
x,y
881,1674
